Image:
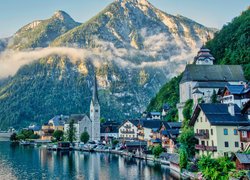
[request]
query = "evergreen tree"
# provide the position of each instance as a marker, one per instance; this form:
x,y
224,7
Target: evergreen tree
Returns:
x,y
85,137
71,132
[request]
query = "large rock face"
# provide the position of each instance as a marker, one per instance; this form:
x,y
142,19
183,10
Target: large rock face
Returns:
x,y
133,47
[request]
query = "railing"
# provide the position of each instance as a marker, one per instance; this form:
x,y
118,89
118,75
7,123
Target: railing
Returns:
x,y
205,148
202,135
199,147
244,139
128,132
211,148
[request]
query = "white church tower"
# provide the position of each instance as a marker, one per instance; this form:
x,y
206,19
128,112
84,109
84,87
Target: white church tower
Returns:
x,y
95,113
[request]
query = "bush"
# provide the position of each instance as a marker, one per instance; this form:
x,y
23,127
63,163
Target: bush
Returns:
x,y
21,137
84,137
183,157
157,150
58,135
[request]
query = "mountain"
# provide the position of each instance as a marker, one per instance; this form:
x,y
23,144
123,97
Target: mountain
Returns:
x,y
133,47
229,46
41,33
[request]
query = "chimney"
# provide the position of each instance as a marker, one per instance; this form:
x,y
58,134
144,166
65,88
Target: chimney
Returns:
x,y
231,109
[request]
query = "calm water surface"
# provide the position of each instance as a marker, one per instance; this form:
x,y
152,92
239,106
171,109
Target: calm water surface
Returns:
x,y
17,162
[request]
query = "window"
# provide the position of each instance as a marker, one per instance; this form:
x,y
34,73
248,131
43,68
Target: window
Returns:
x,y
244,134
85,129
212,132
225,131
96,110
226,144
201,119
236,144
235,132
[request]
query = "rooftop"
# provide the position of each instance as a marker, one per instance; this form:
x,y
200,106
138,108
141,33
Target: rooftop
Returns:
x,y
237,89
208,73
243,158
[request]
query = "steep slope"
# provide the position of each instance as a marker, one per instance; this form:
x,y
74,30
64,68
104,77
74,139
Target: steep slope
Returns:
x,y
137,24
134,47
41,33
229,46
232,44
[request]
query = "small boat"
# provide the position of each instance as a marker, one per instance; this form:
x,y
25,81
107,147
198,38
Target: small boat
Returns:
x,y
24,143
64,146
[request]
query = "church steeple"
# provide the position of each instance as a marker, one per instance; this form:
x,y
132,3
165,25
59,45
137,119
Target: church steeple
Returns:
x,y
95,99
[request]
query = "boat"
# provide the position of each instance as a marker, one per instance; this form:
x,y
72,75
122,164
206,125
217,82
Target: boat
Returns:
x,y
64,146
24,143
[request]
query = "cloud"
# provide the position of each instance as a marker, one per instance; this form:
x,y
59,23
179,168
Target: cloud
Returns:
x,y
11,61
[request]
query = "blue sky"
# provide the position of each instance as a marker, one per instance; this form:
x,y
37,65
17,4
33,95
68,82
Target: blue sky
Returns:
x,y
16,13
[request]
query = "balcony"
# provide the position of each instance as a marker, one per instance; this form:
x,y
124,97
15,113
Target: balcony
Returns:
x,y
202,135
205,148
244,139
128,132
211,148
200,147
127,126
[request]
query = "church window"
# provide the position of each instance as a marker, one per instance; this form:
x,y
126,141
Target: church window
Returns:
x,y
96,110
85,129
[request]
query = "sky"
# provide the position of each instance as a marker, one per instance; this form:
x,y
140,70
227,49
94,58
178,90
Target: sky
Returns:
x,y
212,13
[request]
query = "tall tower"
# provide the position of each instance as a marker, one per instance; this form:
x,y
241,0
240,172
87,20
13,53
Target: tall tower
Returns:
x,y
95,113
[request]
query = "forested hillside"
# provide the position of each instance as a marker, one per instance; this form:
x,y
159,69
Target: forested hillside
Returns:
x,y
231,45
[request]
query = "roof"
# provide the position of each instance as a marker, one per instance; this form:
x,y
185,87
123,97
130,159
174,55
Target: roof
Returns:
x,y
155,113
197,91
165,155
237,89
243,158
155,140
59,120
244,128
166,106
136,143
212,85
76,118
172,125
35,128
217,114
151,124
219,73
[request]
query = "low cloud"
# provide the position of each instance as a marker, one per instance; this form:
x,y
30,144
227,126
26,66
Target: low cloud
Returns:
x,y
11,61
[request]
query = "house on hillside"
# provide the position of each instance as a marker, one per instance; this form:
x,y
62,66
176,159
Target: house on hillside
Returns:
x,y
242,161
244,137
150,129
216,128
202,78
109,130
236,94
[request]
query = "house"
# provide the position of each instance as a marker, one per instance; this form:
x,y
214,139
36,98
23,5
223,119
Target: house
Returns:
x,y
129,129
169,133
89,124
36,129
242,161
150,129
202,78
236,94
109,130
244,137
57,122
216,128
155,115
47,131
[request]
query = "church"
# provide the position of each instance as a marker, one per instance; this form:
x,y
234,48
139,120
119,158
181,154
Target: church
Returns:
x,y
202,78
84,123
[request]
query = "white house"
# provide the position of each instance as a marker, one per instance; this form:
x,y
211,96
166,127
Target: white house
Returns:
x,y
216,128
129,129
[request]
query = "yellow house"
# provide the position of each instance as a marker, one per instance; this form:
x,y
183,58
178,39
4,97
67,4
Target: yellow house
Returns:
x,y
216,128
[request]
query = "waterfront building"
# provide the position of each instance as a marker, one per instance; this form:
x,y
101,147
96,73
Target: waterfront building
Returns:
x,y
216,128
129,129
202,78
109,130
236,94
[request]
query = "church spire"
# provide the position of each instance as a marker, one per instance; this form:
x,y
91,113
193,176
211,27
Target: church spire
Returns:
x,y
95,98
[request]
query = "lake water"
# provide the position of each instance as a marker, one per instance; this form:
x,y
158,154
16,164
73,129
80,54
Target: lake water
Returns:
x,y
17,162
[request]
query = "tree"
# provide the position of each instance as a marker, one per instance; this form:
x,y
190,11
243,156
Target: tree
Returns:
x,y
214,97
187,110
85,137
13,137
115,142
34,136
157,150
58,135
183,157
21,137
102,120
71,132
187,140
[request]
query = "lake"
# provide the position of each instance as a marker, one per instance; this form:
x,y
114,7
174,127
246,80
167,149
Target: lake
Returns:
x,y
18,162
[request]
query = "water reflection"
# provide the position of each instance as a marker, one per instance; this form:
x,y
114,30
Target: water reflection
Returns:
x,y
38,163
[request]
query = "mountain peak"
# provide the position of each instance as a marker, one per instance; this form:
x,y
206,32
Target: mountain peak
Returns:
x,y
142,2
62,15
